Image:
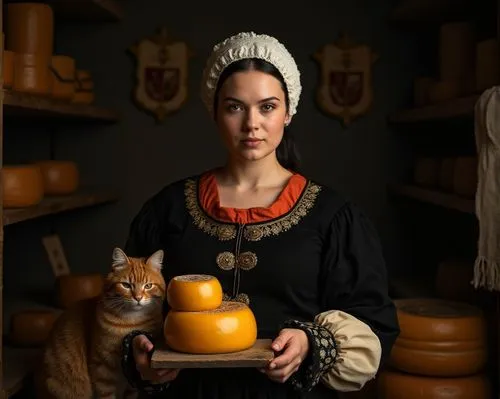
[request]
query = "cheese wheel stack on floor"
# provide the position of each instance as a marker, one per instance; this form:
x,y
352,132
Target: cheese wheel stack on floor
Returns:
x,y
440,353
200,322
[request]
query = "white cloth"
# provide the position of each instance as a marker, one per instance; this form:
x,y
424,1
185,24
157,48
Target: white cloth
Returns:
x,y
250,45
487,135
359,351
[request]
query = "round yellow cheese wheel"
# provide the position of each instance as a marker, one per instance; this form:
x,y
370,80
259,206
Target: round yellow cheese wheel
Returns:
x,y
229,328
22,185
72,288
194,293
59,177
32,326
395,385
439,338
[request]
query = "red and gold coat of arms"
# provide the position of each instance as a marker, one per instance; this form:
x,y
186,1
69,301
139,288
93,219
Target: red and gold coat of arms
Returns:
x,y
161,74
345,90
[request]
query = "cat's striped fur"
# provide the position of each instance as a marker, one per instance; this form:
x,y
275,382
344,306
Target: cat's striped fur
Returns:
x,y
82,356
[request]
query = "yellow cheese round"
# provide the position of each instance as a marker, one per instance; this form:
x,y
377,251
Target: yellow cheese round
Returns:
x,y
230,328
395,385
194,293
59,177
439,338
22,185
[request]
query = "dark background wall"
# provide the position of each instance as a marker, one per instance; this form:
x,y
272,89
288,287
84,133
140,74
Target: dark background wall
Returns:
x,y
138,156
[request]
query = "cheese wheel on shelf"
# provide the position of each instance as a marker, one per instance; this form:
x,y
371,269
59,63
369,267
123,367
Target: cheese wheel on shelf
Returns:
x,y
30,28
8,69
194,293
229,328
59,177
439,338
392,384
22,185
71,288
32,74
63,77
31,326
84,87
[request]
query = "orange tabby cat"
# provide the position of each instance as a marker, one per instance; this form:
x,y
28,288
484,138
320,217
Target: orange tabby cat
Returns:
x,y
82,357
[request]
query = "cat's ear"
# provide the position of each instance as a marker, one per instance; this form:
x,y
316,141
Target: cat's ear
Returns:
x,y
120,260
156,260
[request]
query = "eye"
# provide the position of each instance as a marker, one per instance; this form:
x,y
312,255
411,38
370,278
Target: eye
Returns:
x,y
234,107
148,286
126,285
268,107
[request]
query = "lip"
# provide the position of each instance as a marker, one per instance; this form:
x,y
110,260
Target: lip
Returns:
x,y
251,143
252,140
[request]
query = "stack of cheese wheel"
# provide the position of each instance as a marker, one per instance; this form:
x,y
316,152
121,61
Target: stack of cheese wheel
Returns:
x,y
63,71
30,64
84,87
441,352
30,36
200,322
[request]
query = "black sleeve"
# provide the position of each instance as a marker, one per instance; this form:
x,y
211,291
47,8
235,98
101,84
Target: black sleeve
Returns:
x,y
322,355
353,280
144,233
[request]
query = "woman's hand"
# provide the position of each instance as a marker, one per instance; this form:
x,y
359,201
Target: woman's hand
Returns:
x,y
294,346
141,346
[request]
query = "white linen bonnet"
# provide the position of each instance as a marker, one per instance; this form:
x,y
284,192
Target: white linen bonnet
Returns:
x,y
250,45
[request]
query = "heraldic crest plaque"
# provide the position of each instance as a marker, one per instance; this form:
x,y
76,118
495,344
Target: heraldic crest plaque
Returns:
x,y
161,74
345,90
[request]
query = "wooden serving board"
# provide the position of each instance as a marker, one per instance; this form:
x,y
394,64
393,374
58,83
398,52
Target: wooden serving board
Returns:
x,y
257,356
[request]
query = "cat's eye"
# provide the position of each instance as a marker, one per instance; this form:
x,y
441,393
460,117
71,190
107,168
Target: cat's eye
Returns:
x,y
148,286
126,285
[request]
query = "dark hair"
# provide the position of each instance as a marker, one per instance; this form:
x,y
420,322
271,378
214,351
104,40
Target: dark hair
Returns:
x,y
286,152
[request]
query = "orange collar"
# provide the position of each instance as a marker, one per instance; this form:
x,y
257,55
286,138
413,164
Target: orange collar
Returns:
x,y
209,201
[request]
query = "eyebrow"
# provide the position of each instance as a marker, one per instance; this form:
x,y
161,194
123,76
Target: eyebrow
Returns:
x,y
260,101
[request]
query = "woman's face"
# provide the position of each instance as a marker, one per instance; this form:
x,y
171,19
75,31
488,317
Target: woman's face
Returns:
x,y
251,114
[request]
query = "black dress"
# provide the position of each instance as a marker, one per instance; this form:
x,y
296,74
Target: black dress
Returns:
x,y
322,254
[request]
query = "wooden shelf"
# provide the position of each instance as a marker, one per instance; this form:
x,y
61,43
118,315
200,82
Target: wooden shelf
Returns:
x,y
83,10
460,107
445,200
54,205
19,104
17,364
88,10
428,11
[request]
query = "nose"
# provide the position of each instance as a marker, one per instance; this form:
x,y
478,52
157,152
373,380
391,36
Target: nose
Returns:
x,y
251,120
138,298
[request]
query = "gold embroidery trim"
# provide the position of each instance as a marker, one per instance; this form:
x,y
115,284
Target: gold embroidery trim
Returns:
x,y
226,260
245,261
222,231
306,202
226,231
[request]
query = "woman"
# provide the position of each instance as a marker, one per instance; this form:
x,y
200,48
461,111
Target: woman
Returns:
x,y
307,262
